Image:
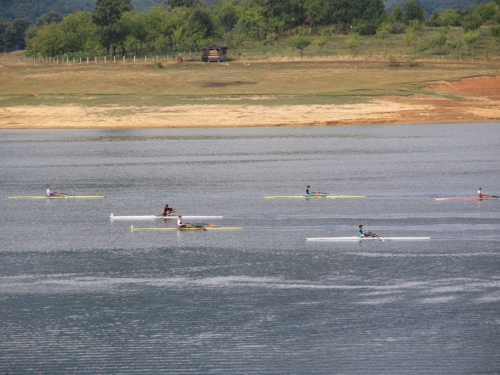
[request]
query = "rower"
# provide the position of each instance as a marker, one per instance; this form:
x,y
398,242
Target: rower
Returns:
x,y
51,193
480,194
167,211
309,193
366,233
182,225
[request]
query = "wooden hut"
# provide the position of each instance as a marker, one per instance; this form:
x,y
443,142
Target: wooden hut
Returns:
x,y
213,53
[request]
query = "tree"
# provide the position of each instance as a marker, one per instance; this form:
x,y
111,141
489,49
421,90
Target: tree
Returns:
x,y
487,12
14,34
201,26
472,21
412,11
470,37
3,27
253,21
107,15
48,18
397,14
495,33
352,41
439,40
134,24
383,31
300,41
225,14
181,3
450,17
78,32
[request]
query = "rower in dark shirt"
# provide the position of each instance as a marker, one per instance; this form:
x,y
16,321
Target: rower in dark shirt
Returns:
x,y
167,211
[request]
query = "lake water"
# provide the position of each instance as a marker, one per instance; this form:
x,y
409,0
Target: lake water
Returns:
x,y
81,294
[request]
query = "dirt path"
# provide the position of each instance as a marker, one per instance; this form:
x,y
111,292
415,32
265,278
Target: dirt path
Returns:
x,y
479,102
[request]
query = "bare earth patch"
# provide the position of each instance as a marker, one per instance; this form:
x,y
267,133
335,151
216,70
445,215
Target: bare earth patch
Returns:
x,y
479,102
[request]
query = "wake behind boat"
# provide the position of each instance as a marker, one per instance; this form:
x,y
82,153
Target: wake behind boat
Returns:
x,y
367,238
154,217
313,196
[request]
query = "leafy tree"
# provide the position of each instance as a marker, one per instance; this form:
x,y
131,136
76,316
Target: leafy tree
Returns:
x,y
412,11
155,27
252,21
439,40
226,14
79,33
470,37
177,27
134,25
397,14
48,42
451,17
75,33
181,3
352,41
3,28
457,45
201,26
472,21
489,12
383,31
106,16
235,39
495,33
48,18
14,34
410,37
300,41
326,34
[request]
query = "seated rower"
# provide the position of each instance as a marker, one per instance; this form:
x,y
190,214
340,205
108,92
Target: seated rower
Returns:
x,y
366,233
481,195
309,193
182,225
51,193
167,211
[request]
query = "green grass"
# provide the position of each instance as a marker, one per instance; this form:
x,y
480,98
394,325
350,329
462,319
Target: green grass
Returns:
x,y
251,79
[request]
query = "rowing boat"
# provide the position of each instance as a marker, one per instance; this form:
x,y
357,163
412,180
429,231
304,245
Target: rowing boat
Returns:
x,y
466,198
188,228
56,197
367,238
313,196
153,217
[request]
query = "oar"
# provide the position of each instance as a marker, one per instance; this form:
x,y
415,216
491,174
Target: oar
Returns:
x,y
68,195
211,224
376,236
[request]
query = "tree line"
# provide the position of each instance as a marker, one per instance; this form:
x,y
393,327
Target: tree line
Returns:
x,y
114,27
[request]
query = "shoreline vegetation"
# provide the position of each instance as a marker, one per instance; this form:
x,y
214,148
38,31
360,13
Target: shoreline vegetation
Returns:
x,y
246,93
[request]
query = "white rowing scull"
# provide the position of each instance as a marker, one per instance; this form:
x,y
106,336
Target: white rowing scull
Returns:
x,y
154,217
367,238
56,197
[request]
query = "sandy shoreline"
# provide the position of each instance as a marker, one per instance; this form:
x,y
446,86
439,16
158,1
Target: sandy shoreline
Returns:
x,y
479,103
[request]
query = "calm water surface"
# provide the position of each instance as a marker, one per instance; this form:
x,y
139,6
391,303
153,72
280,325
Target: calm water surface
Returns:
x,y
81,294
